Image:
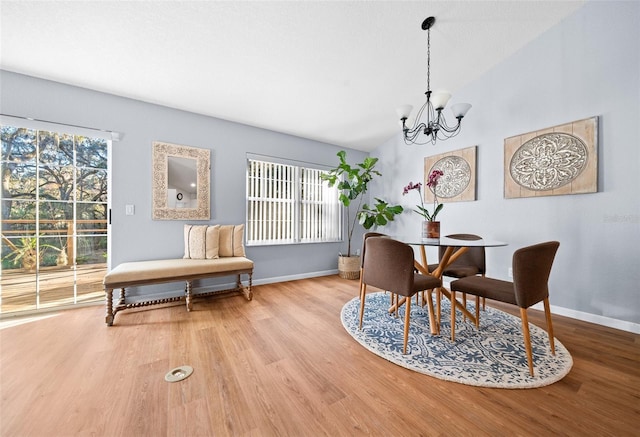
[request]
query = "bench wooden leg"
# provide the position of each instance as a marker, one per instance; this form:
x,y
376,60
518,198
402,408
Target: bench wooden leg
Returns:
x,y
189,293
109,297
248,294
123,295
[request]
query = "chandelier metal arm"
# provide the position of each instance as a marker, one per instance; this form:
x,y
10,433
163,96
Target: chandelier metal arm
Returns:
x,y
412,133
445,127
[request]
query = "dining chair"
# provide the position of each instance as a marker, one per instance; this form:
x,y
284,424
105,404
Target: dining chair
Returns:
x,y
531,269
470,263
362,253
388,265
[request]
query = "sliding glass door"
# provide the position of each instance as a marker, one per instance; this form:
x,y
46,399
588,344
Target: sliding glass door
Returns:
x,y
54,219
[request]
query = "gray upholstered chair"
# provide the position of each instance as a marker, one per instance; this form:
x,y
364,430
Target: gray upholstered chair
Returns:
x,y
470,263
388,265
362,252
531,269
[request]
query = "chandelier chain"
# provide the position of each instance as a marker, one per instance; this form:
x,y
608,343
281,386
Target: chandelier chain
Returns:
x,y
429,59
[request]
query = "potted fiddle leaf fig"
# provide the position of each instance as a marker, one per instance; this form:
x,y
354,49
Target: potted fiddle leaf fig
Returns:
x,y
352,183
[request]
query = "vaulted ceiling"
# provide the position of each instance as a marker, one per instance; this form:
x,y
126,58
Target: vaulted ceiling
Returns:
x,y
332,71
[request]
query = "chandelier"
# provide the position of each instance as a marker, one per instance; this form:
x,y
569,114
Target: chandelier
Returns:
x,y
434,126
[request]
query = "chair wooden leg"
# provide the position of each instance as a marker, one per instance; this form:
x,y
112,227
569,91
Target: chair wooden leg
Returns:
x,y
361,275
395,302
547,313
362,299
433,326
407,318
438,305
478,312
464,302
453,315
484,300
527,338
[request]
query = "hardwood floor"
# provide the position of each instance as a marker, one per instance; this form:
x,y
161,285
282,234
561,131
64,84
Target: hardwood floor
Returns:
x,y
282,365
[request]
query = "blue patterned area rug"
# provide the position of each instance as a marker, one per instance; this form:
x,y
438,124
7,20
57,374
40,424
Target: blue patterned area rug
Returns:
x,y
492,356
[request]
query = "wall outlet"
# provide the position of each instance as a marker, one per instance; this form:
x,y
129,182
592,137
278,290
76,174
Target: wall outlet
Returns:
x,y
510,272
129,209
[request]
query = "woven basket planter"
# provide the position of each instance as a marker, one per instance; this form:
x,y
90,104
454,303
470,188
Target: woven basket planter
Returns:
x,y
349,267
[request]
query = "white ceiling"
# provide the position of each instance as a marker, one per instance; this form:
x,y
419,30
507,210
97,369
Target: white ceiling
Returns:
x,y
332,71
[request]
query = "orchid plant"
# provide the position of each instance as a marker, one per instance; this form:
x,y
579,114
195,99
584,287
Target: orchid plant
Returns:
x,y
432,183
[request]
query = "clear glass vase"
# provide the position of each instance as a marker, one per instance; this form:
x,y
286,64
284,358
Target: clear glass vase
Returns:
x,y
430,229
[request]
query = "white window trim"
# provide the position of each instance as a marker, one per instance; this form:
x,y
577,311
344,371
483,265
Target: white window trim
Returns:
x,y
295,232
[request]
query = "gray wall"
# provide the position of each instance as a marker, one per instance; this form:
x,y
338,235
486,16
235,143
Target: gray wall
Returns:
x,y
139,237
588,65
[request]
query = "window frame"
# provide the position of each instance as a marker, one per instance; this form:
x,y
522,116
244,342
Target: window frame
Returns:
x,y
321,200
72,272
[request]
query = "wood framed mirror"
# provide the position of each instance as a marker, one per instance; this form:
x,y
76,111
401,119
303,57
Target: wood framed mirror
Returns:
x,y
181,177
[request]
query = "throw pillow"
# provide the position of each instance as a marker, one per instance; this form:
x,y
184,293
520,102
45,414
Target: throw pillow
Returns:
x,y
212,242
231,240
194,241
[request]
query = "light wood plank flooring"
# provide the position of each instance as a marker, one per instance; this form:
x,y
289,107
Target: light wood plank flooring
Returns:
x,y
282,365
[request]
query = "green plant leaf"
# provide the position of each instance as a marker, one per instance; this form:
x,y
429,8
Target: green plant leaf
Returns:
x,y
423,212
381,220
344,199
368,163
395,210
344,185
438,209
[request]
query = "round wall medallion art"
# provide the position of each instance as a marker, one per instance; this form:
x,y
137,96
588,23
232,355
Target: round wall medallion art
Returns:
x,y
548,161
456,177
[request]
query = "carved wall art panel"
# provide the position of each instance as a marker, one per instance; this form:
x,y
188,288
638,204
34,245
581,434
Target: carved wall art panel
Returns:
x,y
559,160
458,183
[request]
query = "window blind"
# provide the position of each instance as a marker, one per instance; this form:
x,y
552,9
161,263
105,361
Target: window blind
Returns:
x,y
289,204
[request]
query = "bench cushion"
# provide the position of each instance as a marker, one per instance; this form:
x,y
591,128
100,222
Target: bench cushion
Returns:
x,y
173,268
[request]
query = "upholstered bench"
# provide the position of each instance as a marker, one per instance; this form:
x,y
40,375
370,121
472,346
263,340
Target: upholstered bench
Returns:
x,y
210,251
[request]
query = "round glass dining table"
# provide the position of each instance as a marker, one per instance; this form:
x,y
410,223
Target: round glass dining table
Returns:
x,y
455,247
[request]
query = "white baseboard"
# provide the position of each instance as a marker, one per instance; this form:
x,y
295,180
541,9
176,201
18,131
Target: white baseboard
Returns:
x,y
592,318
295,277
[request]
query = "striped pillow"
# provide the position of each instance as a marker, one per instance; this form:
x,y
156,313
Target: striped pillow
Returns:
x,y
194,245
231,240
212,242
201,241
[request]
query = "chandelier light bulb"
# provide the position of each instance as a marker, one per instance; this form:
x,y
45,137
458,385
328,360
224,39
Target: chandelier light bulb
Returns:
x,y
439,99
404,111
460,109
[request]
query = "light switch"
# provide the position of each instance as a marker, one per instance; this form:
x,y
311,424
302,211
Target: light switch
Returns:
x,y
129,209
